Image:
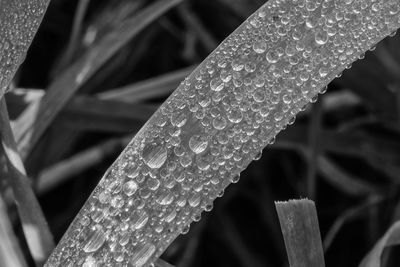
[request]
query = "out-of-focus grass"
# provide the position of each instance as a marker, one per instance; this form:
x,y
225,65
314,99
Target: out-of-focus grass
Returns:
x,y
353,168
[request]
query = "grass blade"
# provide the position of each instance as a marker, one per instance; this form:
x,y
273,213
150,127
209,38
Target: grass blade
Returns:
x,y
22,19
347,216
299,224
36,119
10,251
314,148
63,170
34,225
155,87
391,238
162,263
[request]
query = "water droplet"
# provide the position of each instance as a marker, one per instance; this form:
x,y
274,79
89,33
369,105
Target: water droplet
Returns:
x,y
198,143
95,241
219,123
272,56
141,254
217,84
321,37
130,188
259,47
154,155
139,219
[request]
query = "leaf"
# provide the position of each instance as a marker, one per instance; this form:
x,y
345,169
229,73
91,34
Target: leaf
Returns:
x,y
347,216
159,86
19,23
10,252
342,180
314,147
299,224
34,225
161,263
65,169
391,238
36,119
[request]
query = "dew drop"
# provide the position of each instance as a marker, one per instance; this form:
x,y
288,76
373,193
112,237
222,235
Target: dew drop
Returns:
x,y
154,155
141,254
321,37
139,219
216,84
130,188
272,56
259,47
95,241
219,123
198,143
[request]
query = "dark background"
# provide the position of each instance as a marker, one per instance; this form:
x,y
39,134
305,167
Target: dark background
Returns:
x,y
348,143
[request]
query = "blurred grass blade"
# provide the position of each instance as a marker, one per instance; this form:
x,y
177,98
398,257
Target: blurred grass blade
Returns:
x,y
63,170
347,216
314,148
343,181
235,240
74,37
299,224
91,113
19,23
11,254
162,85
391,238
162,263
194,24
34,225
37,118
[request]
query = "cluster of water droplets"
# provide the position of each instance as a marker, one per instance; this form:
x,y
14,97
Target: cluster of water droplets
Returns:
x,y
19,21
216,123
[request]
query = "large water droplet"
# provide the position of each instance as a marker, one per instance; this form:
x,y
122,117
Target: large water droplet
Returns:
x,y
130,188
139,219
321,37
141,254
198,143
259,47
217,84
154,155
95,240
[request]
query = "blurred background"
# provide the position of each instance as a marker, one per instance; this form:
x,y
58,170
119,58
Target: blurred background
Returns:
x,y
343,151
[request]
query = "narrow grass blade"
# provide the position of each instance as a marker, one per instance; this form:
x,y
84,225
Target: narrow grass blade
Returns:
x,y
76,32
314,140
34,225
215,123
162,263
19,23
244,255
11,254
391,238
63,170
299,224
343,181
91,113
194,24
37,118
162,85
347,216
